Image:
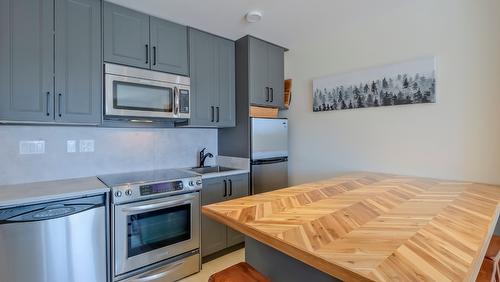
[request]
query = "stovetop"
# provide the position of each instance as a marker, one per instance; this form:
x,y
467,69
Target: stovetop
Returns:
x,y
113,180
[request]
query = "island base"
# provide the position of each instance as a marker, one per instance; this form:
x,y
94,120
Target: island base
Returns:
x,y
280,267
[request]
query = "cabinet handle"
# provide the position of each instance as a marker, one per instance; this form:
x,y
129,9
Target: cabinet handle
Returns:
x,y
218,114
212,107
147,53
267,94
225,188
154,55
272,94
48,103
59,104
230,187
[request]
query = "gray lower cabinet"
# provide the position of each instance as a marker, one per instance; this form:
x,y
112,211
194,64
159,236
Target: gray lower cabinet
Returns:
x,y
26,60
216,236
78,76
50,61
139,40
239,188
126,36
213,234
212,72
266,73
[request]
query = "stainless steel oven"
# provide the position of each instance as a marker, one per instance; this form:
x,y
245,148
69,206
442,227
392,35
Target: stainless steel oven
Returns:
x,y
144,94
155,225
150,231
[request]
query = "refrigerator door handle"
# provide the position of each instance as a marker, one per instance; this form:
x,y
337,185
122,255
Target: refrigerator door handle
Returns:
x,y
269,161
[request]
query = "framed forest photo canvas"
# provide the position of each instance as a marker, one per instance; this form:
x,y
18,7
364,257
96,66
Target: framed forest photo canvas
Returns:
x,y
411,82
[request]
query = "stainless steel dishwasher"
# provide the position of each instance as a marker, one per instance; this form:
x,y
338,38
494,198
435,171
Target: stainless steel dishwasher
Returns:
x,y
63,241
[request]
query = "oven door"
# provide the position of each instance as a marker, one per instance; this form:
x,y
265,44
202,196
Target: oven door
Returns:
x,y
151,231
136,97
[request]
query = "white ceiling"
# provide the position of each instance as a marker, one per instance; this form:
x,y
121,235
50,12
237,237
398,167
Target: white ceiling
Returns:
x,y
284,21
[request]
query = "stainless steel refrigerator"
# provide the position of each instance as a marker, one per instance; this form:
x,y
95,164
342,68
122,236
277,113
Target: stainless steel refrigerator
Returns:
x,y
269,154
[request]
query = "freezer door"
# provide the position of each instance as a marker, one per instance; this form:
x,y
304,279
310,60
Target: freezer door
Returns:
x,y
269,138
269,175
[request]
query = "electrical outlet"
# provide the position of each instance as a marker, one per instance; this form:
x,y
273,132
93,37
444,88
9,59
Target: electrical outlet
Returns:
x,y
71,146
86,146
31,147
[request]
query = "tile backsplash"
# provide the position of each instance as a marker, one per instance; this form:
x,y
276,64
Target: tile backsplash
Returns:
x,y
115,150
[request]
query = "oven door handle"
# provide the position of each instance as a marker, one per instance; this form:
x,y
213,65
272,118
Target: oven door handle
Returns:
x,y
158,205
159,275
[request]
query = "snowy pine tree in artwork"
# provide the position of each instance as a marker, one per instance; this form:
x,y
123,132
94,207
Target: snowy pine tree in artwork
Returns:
x,y
411,82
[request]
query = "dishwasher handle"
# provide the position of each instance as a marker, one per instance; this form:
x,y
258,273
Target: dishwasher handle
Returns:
x,y
50,212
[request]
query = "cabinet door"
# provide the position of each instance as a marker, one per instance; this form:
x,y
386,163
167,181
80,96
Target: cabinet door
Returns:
x,y
126,36
169,47
78,61
258,72
213,234
26,60
240,188
276,75
203,69
226,86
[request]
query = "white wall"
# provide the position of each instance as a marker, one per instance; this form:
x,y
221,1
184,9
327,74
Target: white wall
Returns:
x,y
457,138
116,150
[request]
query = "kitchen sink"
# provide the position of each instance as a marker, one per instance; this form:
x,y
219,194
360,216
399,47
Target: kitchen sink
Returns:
x,y
210,169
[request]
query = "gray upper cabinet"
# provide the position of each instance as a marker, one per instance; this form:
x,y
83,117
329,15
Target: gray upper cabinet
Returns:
x,y
276,75
266,73
26,60
212,72
202,53
135,39
226,80
50,61
78,61
258,72
126,36
169,47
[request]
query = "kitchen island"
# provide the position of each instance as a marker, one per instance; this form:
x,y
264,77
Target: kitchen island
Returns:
x,y
367,227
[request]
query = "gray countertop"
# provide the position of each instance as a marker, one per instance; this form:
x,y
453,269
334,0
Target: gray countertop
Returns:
x,y
224,173
28,193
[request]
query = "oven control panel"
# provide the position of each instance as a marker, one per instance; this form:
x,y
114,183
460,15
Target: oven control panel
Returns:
x,y
136,192
150,189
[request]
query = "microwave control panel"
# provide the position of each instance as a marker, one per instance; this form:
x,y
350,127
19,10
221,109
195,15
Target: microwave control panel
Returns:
x,y
184,101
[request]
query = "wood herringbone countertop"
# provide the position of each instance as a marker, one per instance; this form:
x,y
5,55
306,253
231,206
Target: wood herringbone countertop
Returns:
x,y
368,226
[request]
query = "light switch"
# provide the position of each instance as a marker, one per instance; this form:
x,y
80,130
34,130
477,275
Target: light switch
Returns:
x,y
32,147
86,146
71,146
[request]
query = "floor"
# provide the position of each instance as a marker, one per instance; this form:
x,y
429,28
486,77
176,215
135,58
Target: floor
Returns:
x,y
216,265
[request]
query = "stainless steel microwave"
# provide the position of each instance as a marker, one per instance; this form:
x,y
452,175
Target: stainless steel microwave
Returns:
x,y
144,94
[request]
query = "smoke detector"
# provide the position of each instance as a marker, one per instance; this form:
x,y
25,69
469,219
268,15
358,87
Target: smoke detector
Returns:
x,y
253,16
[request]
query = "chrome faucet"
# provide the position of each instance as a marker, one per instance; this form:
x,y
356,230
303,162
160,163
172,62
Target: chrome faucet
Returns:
x,y
203,157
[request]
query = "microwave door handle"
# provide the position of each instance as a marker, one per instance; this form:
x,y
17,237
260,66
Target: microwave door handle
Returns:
x,y
158,205
176,101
